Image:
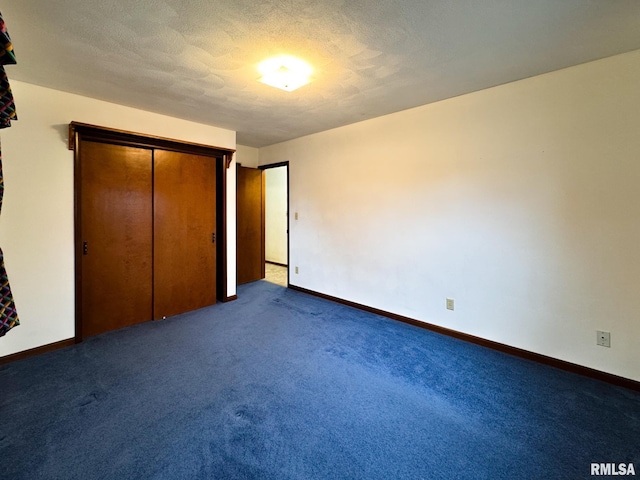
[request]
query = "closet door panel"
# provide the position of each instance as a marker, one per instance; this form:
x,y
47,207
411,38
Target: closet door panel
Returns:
x,y
116,230
184,227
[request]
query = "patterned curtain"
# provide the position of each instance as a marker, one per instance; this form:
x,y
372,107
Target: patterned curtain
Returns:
x,y
8,314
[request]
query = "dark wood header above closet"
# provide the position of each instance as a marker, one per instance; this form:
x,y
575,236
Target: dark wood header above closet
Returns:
x,y
123,137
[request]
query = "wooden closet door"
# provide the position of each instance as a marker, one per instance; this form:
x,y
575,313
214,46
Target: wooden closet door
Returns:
x,y
184,223
116,230
250,214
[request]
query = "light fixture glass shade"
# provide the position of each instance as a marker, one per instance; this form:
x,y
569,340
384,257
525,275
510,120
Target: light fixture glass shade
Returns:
x,y
285,72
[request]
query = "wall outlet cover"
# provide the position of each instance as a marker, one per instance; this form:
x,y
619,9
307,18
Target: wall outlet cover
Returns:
x,y
450,304
603,338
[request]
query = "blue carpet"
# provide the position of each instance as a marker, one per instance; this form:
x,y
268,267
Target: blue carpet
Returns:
x,y
282,385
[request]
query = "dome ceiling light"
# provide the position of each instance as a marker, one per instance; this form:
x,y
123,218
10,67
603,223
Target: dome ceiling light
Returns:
x,y
285,72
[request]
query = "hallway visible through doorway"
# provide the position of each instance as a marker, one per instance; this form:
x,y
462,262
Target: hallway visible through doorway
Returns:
x,y
277,223
276,274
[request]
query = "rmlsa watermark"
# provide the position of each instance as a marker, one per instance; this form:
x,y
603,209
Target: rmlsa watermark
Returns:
x,y
613,469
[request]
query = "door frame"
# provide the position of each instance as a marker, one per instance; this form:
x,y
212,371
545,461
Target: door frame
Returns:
x,y
79,132
276,165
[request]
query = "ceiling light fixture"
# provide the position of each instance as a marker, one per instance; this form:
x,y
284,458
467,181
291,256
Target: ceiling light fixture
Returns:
x,y
285,72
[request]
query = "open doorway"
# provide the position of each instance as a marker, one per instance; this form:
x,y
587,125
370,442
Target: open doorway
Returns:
x,y
277,223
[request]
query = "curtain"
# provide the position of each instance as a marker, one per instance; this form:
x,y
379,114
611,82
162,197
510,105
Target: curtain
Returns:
x,y
8,313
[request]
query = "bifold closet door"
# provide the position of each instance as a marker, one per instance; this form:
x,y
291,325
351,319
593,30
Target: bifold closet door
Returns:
x,y
184,232
117,234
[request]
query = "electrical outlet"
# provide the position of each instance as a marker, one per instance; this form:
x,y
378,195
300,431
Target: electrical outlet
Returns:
x,y
297,270
449,303
603,339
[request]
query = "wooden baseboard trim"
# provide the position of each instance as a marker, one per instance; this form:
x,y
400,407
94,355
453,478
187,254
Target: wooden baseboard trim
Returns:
x,y
32,352
501,347
230,299
276,263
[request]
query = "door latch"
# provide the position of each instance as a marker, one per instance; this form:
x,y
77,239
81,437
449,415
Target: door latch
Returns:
x,y
213,237
85,248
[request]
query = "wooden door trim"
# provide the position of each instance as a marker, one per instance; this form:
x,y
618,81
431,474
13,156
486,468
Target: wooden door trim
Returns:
x,y
263,234
124,137
79,132
77,236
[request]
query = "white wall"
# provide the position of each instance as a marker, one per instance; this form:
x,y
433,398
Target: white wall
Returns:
x,y
247,156
276,215
521,202
36,225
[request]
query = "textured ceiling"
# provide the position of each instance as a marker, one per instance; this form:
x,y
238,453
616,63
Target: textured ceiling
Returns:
x,y
196,59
